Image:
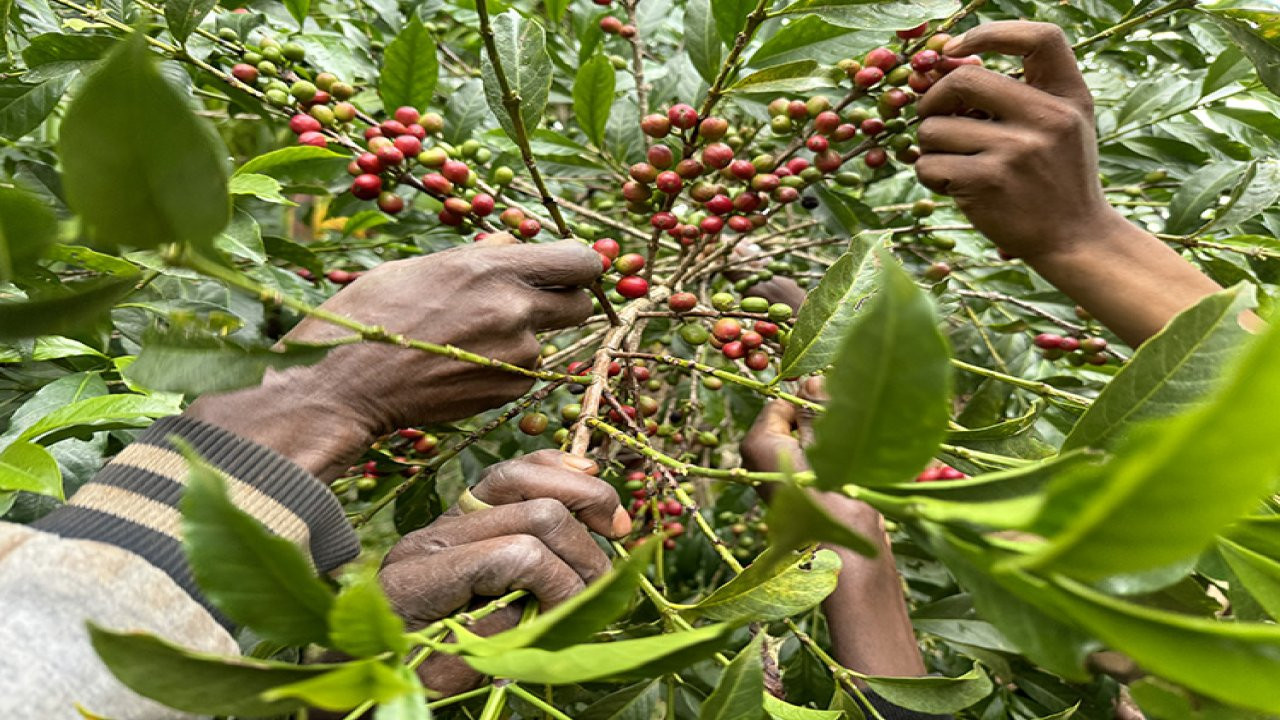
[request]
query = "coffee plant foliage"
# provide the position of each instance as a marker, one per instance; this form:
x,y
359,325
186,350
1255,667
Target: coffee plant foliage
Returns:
x,y
183,181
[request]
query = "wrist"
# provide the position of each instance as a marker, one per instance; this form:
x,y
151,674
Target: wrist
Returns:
x,y
287,416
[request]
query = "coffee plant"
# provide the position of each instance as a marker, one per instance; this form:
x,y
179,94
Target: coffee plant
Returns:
x,y
185,181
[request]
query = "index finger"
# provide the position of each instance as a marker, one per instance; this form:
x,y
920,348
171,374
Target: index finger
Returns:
x,y
1048,60
566,263
560,476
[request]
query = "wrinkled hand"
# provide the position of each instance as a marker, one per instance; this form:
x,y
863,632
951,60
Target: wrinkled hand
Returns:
x,y
489,299
1028,177
530,540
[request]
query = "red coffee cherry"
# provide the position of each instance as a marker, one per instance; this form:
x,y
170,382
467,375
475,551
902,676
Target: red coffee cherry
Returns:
x,y
301,123
868,77
826,122
740,224
627,31
720,205
797,110
643,172
876,158
366,187
664,220
757,360
610,25
682,116
1048,341
882,58
341,277
245,73
828,161
409,145
713,128
915,32
314,139
530,227
407,115
765,329
390,203
682,301
437,183
742,169
920,83
457,206
482,204
392,128
717,155
726,329
655,125
368,162
734,350
872,127
630,264
456,171
660,156
925,60
669,182
1069,344
633,286
389,155
689,168
607,247
711,225
817,143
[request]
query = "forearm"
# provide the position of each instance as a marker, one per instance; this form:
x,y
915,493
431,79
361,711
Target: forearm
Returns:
x,y
1126,278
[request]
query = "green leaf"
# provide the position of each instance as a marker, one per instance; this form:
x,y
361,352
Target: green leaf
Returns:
x,y
575,620
300,164
828,312
795,521
701,40
263,187
767,592
408,706
1256,191
637,702
62,309
346,687
298,9
932,694
27,228
27,466
1234,662
1261,49
593,97
198,682
792,77
645,657
95,414
291,252
1171,372
49,347
1199,193
555,11
731,18
889,387
362,623
798,39
522,50
739,695
1259,573
54,55
410,68
184,16
242,238
466,112
120,169
779,710
93,260
1167,491
198,364
259,580
874,14
23,107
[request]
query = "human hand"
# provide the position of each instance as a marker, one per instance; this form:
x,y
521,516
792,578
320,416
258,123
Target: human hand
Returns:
x,y
1028,177
778,289
489,299
529,540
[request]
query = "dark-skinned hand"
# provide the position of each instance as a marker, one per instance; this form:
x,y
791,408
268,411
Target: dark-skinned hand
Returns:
x,y
489,298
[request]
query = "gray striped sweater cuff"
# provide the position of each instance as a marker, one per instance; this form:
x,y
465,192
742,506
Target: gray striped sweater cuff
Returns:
x,y
133,501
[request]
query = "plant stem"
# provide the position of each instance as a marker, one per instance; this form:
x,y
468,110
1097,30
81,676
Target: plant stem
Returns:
x,y
1035,386
756,385
537,702
758,15
511,102
637,58
1134,22
739,475
497,693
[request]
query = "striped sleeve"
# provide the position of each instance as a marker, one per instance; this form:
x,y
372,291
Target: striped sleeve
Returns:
x,y
132,503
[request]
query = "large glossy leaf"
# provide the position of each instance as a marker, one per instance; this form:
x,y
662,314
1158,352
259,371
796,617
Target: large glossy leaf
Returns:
x,y
575,620
23,107
198,682
98,413
298,9
27,228
793,77
62,310
932,694
701,40
410,68
29,467
1016,605
127,189
889,387
522,50
730,18
466,111
637,702
362,623
1234,662
739,695
593,97
1173,483
259,580
1259,573
799,40
1261,50
197,364
874,14
1199,193
1256,191
300,164
645,657
345,687
828,312
53,55
766,592
184,16
795,521
1170,372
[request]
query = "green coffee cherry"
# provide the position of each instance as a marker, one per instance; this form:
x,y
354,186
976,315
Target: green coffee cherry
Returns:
x,y
694,334
504,175
266,67
780,312
755,305
278,97
723,301
252,58
293,52
303,90
341,91
273,54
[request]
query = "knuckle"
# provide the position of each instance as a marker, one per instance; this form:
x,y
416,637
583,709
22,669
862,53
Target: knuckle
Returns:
x,y
546,515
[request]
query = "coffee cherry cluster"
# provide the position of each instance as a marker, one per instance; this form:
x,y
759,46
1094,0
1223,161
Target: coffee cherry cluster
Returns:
x,y
1077,351
651,511
734,340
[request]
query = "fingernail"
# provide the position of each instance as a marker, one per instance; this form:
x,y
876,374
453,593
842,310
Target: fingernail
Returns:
x,y
580,464
621,522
